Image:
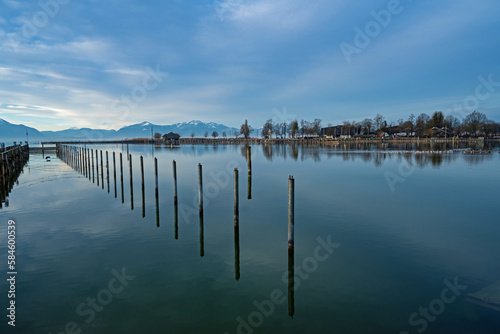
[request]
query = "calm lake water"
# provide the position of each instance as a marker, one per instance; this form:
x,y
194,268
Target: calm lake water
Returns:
x,y
384,243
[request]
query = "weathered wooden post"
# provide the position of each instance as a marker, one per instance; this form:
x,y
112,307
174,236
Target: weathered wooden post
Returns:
x,y
97,165
200,187
236,199
236,226
121,176
102,171
88,162
82,158
249,159
107,170
142,187
85,161
92,151
114,171
291,211
156,195
131,182
174,167
249,163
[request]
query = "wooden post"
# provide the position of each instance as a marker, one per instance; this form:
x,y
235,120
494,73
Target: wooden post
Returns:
x,y
97,166
200,186
236,199
142,187
249,159
92,151
82,158
131,182
249,163
88,162
174,166
236,226
291,211
102,171
156,195
85,161
291,269
107,170
114,171
121,176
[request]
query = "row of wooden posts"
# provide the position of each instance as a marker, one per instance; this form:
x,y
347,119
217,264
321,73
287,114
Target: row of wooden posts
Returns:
x,y
12,161
82,159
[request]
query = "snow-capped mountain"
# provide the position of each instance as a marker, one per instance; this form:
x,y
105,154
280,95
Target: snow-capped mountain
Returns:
x,y
141,130
146,129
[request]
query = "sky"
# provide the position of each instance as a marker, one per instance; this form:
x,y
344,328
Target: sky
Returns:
x,y
107,64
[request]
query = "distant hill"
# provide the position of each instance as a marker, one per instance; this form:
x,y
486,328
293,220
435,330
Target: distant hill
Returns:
x,y
10,132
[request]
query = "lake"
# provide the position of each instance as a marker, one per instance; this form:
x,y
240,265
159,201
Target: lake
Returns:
x,y
385,242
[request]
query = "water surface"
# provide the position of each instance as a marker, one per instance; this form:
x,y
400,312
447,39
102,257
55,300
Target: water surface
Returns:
x,y
402,225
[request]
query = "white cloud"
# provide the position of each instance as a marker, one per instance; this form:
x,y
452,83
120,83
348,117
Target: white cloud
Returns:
x,y
278,14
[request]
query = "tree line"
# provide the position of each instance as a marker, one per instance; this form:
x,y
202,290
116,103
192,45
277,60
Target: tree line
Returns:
x,y
474,124
438,125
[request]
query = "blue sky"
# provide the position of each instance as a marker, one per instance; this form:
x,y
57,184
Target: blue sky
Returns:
x,y
106,64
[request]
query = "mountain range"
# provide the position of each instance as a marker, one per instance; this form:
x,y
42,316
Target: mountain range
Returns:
x,y
11,132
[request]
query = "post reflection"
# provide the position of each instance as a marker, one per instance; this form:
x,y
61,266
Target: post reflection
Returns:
x,y
176,220
237,252
202,246
291,283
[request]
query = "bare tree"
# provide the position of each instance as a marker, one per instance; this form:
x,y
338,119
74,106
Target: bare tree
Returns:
x,y
193,134
422,124
277,129
267,129
379,122
206,134
294,128
316,127
367,125
215,134
452,124
475,122
246,129
157,135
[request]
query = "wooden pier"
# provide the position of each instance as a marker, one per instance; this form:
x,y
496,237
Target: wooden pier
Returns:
x,y
12,160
